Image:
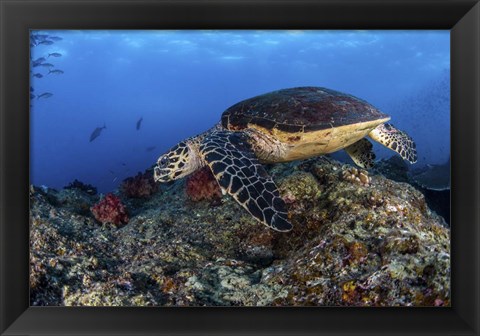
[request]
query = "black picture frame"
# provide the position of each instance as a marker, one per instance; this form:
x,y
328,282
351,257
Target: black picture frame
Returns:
x,y
18,16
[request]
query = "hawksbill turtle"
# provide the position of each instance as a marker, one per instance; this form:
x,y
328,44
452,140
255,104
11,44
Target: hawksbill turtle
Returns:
x,y
281,126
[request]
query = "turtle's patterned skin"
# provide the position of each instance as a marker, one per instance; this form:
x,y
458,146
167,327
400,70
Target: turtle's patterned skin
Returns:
x,y
361,153
238,172
281,126
396,140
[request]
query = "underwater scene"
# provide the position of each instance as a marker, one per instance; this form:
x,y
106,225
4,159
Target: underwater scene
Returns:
x,y
240,168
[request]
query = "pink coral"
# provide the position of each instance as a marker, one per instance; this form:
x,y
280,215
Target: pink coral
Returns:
x,y
202,185
139,186
110,210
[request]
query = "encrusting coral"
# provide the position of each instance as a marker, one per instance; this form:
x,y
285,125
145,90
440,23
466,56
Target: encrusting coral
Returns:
x,y
201,185
140,186
110,210
356,175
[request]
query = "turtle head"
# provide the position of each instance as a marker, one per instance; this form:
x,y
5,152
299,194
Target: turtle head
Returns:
x,y
181,160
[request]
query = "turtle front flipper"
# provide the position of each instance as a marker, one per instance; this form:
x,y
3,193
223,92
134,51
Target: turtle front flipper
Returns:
x,y
238,172
361,153
396,140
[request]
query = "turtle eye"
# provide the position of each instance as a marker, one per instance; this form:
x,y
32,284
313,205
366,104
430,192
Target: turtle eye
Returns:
x,y
163,161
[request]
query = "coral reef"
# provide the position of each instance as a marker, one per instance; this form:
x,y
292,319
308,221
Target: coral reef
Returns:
x,y
140,186
433,181
76,184
353,244
201,185
356,175
110,210
75,200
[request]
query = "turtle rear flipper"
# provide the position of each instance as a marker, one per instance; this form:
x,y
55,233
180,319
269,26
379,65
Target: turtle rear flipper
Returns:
x,y
238,172
396,140
361,153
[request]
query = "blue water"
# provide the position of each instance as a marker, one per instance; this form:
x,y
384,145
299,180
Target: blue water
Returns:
x,y
180,82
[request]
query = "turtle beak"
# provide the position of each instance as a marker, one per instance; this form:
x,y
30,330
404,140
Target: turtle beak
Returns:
x,y
160,175
160,172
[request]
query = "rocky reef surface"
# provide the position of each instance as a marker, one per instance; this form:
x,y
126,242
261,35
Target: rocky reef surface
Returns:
x,y
359,239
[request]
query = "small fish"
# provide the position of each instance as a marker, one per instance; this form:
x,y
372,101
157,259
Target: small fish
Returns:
x,y
55,72
149,149
123,164
38,75
39,60
96,132
31,89
32,96
55,54
55,38
46,65
45,95
139,123
46,42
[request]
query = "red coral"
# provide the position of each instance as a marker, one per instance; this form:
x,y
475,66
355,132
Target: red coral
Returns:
x,y
202,185
139,186
110,210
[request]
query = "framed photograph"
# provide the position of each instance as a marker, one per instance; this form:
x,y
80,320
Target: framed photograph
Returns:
x,y
251,168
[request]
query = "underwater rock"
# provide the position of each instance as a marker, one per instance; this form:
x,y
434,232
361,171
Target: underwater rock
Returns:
x,y
435,177
353,244
110,210
394,168
76,184
74,200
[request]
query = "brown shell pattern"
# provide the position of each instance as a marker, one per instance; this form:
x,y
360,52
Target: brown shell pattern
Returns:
x,y
300,109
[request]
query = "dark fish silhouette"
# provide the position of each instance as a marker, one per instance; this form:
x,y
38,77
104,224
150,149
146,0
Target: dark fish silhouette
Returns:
x,y
139,123
55,54
46,42
40,36
55,38
96,133
46,65
32,96
39,60
55,72
149,149
38,75
45,95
